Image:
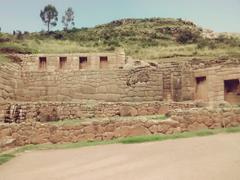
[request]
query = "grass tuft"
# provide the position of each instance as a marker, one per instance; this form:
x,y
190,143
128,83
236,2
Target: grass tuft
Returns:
x,y
204,132
5,158
232,130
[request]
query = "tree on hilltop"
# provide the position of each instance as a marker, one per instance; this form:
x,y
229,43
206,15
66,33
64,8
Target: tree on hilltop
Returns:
x,y
68,19
49,16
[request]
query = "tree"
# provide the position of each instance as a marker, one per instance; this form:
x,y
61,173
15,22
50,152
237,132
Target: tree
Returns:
x,y
49,16
68,18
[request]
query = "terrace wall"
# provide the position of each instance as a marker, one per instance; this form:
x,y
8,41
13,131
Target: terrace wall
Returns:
x,y
54,111
12,135
31,63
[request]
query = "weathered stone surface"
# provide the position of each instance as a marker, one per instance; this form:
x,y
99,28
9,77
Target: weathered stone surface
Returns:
x,y
5,132
90,129
154,129
56,137
7,141
136,130
128,111
122,131
170,122
44,111
163,128
195,126
182,120
108,135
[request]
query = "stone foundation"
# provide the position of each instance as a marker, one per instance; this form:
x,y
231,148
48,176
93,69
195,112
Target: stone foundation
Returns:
x,y
53,111
12,135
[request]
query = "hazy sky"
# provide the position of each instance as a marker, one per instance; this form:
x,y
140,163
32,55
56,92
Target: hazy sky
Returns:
x,y
219,15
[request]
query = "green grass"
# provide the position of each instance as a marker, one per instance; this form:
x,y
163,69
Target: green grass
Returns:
x,y
17,47
232,130
60,46
159,117
32,147
141,139
140,38
4,157
3,59
133,49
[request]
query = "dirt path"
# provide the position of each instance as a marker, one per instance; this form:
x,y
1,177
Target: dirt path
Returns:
x,y
206,158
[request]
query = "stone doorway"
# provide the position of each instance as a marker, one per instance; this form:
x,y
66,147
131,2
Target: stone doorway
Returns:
x,y
232,91
201,88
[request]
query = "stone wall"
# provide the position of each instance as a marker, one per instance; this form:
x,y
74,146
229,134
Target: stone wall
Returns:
x,y
53,111
215,77
172,82
9,76
31,63
4,107
165,81
143,84
200,118
180,79
12,135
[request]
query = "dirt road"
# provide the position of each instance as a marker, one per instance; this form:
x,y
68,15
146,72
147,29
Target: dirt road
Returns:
x,y
206,158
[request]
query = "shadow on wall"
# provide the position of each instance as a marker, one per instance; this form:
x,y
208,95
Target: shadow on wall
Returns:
x,y
16,114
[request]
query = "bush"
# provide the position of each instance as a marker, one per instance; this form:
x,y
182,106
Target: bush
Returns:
x,y
231,41
112,43
211,44
187,36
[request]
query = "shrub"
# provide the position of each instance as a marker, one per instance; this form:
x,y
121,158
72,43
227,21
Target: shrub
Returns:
x,y
231,41
187,36
202,43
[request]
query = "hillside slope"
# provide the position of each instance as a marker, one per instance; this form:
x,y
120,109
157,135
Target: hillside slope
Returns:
x,y
153,38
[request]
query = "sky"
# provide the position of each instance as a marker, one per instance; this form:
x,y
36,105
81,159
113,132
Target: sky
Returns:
x,y
218,15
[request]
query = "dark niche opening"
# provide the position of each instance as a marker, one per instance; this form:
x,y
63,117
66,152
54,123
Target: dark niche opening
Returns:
x,y
83,62
42,63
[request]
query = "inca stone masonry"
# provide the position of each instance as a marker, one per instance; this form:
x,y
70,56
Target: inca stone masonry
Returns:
x,y
47,87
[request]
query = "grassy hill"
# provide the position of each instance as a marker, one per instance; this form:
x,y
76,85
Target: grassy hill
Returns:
x,y
154,38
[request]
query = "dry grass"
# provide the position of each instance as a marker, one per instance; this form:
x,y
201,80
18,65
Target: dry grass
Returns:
x,y
59,46
143,39
3,58
174,50
73,122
